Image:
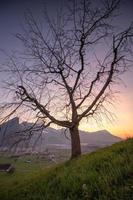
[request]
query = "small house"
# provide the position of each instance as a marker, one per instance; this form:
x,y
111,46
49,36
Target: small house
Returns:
x,y
8,168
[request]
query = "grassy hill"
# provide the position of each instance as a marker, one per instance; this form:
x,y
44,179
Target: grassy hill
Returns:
x,y
106,174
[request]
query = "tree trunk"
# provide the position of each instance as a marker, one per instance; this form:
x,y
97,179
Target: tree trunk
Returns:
x,y
75,142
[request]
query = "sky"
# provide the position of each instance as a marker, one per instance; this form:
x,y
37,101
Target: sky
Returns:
x,y
11,17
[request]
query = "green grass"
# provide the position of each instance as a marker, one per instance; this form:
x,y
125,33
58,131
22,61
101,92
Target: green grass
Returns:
x,y
23,169
106,174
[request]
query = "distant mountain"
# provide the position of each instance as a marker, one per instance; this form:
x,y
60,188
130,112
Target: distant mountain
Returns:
x,y
58,136
99,137
8,131
13,131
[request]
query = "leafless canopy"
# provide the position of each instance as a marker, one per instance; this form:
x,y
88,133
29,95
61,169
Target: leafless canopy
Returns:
x,y
70,63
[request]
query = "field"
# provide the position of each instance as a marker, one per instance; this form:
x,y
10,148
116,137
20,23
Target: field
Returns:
x,y
106,174
27,165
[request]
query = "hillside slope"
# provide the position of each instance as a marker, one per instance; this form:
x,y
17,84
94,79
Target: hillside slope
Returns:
x,y
106,174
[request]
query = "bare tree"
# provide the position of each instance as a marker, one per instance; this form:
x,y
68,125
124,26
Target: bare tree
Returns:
x,y
70,64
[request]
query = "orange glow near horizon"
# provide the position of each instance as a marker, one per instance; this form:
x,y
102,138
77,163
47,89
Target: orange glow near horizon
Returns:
x,y
123,125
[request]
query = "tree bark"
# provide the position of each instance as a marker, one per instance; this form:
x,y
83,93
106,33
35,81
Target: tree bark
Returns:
x,y
75,142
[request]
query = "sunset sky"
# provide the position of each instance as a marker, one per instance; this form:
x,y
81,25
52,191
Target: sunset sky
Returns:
x,y
11,16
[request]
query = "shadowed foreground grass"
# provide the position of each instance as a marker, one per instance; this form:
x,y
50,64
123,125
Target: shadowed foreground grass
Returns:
x,y
106,174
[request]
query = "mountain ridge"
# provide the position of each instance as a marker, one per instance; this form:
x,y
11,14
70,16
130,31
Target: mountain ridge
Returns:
x,y
53,137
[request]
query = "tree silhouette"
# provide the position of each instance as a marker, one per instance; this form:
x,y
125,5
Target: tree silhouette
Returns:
x,y
70,64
